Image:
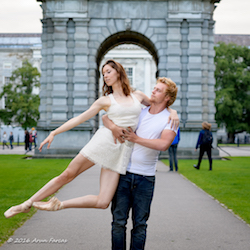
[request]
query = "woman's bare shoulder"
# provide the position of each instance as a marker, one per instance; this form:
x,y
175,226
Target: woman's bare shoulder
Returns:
x,y
104,101
142,97
138,94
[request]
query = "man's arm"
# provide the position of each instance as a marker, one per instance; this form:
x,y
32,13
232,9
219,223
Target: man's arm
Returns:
x,y
162,144
121,134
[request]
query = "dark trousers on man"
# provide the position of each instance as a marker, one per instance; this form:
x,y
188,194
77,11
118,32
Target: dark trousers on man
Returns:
x,y
172,151
136,192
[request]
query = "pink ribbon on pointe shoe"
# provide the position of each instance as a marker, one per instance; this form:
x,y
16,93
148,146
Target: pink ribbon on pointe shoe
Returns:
x,y
52,205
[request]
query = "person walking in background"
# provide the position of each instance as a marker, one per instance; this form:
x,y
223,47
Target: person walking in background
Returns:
x,y
205,141
172,151
5,139
11,139
30,140
26,140
34,136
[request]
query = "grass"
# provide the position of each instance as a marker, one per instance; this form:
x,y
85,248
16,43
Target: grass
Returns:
x,y
229,182
233,145
19,179
15,143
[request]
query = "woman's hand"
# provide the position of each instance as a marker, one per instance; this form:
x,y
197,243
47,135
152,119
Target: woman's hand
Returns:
x,y
48,140
118,132
173,117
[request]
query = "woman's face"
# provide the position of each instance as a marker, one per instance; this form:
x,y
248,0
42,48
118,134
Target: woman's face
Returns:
x,y
110,75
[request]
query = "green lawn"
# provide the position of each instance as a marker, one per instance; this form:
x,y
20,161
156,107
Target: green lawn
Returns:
x,y
229,182
233,145
19,179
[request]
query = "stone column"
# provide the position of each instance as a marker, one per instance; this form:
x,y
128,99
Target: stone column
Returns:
x,y
183,90
147,77
46,76
195,71
43,79
80,66
59,68
173,57
84,89
70,64
211,69
205,70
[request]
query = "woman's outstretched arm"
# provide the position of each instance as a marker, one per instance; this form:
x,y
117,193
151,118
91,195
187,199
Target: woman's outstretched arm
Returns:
x,y
101,103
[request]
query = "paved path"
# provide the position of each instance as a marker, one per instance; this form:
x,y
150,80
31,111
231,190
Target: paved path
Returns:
x,y
224,151
183,217
18,150
234,151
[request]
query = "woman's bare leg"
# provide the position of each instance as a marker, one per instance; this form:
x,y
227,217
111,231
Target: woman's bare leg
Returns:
x,y
108,184
78,165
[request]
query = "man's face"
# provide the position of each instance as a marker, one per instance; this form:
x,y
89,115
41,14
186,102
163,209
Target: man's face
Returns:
x,y
159,93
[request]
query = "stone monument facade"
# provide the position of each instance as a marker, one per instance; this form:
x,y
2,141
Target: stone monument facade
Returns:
x,y
78,33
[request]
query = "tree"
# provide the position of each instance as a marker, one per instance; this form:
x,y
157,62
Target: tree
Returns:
x,y
21,105
232,88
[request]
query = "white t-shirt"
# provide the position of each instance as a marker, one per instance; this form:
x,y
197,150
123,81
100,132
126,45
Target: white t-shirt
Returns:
x,y
143,160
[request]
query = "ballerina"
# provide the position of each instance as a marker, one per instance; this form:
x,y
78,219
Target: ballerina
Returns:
x,y
123,107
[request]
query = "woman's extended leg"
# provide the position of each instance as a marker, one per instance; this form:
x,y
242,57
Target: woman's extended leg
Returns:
x,y
108,184
78,165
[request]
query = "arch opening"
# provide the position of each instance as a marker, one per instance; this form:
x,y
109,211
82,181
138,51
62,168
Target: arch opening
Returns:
x,y
139,64
126,37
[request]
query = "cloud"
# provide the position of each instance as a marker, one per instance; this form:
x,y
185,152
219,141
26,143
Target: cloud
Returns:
x,y
17,16
232,17
21,16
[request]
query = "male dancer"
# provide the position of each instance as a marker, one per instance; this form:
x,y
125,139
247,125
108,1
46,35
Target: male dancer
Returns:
x,y
135,189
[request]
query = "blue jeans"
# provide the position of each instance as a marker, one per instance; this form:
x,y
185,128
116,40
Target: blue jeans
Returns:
x,y
136,192
172,151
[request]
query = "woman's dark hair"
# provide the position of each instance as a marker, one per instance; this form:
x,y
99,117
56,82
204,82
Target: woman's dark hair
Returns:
x,y
122,76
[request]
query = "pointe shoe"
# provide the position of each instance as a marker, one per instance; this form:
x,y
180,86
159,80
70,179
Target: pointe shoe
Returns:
x,y
52,205
22,208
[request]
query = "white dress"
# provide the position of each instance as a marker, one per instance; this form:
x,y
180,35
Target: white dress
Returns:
x,y
102,150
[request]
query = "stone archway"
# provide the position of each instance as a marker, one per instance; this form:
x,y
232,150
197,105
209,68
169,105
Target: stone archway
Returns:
x,y
127,37
135,38
77,33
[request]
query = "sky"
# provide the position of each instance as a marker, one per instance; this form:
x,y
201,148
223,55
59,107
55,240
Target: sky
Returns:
x,y
23,16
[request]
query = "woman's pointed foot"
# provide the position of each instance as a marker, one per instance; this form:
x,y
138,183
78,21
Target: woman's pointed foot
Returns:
x,y
52,205
22,208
